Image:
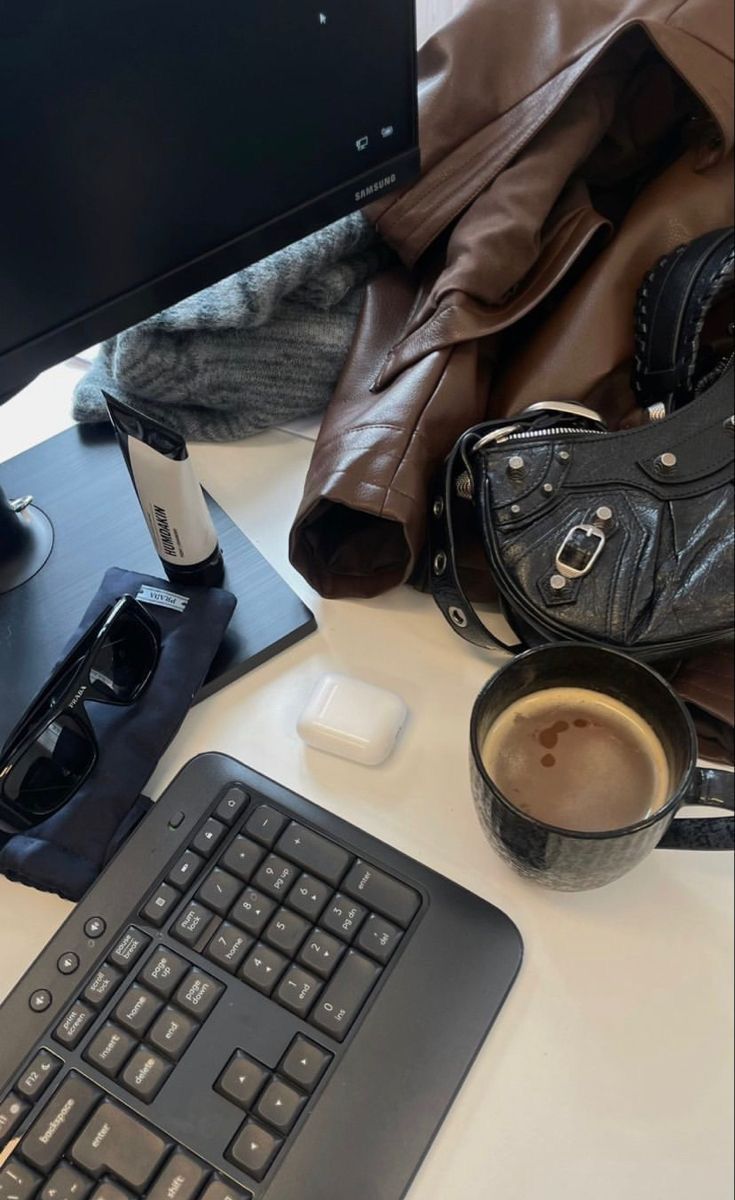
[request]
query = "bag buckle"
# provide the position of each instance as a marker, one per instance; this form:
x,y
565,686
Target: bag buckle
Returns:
x,y
579,551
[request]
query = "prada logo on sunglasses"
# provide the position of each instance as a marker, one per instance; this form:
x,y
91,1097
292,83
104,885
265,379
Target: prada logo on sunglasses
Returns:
x,y
77,696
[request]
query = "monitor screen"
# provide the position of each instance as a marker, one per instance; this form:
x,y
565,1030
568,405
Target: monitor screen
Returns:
x,y
151,147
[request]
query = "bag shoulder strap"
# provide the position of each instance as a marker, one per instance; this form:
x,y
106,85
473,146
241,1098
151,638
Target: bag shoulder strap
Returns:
x,y
673,302
446,587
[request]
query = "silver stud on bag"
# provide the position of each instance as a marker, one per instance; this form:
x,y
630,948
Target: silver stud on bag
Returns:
x,y
564,456
464,486
515,509
458,617
557,583
440,563
729,425
604,515
657,411
516,465
438,507
548,489
666,462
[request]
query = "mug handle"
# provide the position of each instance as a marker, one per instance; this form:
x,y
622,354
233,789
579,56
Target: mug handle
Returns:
x,y
712,789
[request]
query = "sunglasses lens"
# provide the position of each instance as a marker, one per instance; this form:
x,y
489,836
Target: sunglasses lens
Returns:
x,y
52,767
124,661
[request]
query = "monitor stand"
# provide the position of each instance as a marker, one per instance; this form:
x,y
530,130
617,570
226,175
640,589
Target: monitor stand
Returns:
x,y
84,519
26,540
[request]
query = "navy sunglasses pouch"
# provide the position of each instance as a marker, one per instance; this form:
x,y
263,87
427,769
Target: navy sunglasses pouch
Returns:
x,y
65,852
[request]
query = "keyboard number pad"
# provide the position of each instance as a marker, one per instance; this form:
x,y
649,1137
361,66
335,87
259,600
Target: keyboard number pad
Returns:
x,y
292,914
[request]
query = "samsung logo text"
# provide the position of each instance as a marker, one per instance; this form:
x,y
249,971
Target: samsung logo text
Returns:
x,y
374,188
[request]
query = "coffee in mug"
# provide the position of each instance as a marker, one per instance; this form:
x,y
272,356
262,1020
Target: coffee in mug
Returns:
x,y
577,759
580,759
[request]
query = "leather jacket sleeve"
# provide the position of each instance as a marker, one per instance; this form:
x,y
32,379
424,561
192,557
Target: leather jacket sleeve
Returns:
x,y
563,154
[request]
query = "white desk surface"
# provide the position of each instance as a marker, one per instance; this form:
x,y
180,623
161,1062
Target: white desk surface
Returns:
x,y
609,1071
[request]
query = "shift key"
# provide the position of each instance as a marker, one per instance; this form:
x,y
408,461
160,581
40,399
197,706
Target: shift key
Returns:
x,y
115,1142
62,1117
382,893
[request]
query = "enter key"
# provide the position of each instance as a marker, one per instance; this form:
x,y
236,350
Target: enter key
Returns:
x,y
115,1141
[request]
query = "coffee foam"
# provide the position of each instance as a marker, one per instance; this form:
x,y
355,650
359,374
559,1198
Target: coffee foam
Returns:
x,y
601,770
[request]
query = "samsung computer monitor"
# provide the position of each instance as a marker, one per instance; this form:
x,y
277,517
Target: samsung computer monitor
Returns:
x,y
149,148
152,147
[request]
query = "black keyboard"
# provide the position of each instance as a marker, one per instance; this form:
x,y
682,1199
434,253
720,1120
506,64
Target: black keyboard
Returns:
x,y
254,1000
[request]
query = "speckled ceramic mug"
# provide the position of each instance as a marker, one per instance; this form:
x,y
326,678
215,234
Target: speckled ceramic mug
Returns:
x,y
572,861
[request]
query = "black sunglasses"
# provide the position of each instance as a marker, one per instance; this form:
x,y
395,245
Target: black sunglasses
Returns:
x,y
53,748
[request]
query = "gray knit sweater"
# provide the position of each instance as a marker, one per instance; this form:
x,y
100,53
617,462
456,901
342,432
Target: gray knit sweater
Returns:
x,y
257,349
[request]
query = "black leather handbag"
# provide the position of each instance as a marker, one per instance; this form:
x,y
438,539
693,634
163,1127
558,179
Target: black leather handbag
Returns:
x,y
625,539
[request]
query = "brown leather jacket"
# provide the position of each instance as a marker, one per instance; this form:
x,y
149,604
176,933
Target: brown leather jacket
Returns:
x,y
565,146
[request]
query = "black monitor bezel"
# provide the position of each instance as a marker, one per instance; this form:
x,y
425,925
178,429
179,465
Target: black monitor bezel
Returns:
x,y
20,364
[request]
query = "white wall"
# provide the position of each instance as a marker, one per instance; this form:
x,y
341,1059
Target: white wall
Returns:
x,y
433,13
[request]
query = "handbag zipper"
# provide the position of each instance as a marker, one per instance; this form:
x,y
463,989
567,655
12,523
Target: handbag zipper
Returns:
x,y
464,485
537,433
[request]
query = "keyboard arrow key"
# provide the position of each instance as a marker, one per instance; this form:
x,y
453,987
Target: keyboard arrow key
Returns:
x,y
254,1149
